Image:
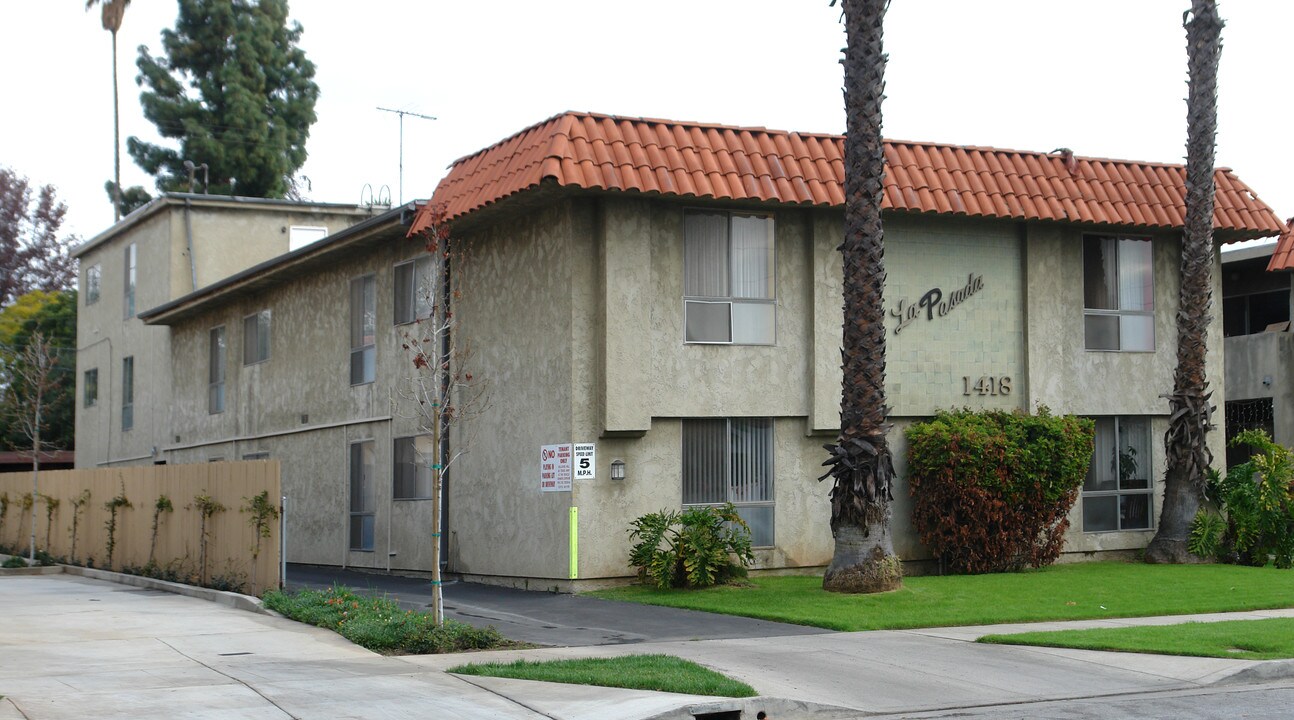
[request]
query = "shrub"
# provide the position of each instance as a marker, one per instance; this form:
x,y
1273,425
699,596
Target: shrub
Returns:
x,y
1257,508
991,490
698,547
380,624
14,561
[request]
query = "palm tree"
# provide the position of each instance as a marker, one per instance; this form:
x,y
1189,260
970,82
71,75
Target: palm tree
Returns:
x,y
112,13
861,466
1187,454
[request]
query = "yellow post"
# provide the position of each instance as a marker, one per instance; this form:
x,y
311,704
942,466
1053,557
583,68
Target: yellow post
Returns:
x,y
575,543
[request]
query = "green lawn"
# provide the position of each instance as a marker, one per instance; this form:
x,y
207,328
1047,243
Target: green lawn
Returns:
x,y
1241,639
1077,591
663,673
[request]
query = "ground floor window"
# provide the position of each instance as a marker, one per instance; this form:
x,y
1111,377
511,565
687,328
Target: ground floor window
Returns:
x,y
731,460
412,476
1117,493
362,500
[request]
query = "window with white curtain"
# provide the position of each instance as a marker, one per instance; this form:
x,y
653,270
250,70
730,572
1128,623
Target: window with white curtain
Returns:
x,y
256,337
1118,294
412,476
413,287
1117,493
731,460
728,294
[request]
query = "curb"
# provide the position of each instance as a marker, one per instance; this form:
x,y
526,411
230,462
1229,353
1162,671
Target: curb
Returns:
x,y
759,707
238,601
1261,671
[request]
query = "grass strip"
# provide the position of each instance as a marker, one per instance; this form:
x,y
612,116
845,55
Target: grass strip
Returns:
x,y
380,624
1270,639
1077,591
662,673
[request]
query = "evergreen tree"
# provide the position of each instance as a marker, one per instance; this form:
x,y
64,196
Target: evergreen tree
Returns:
x,y
236,92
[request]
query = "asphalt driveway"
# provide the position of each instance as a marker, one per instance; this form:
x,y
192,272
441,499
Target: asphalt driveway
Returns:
x,y
547,618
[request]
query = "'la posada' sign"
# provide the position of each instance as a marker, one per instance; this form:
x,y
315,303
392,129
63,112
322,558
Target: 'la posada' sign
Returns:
x,y
933,303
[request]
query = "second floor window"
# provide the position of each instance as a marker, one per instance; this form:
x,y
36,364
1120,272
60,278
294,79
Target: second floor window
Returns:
x,y
92,280
1118,294
728,278
413,290
127,393
91,387
130,280
256,338
216,372
363,330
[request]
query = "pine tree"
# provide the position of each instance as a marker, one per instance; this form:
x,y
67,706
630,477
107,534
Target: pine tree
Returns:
x,y
236,92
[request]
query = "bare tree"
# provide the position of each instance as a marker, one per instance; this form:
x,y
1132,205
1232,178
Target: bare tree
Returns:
x,y
30,372
441,392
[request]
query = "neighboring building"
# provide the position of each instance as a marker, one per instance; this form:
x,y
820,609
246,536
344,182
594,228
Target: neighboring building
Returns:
x,y
1256,303
176,244
672,293
21,460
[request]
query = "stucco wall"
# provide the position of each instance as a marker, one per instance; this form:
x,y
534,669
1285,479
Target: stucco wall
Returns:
x,y
516,310
105,336
300,407
1252,360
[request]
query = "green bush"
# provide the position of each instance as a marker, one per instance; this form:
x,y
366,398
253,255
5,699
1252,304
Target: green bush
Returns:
x,y
698,547
1257,506
379,624
991,490
14,562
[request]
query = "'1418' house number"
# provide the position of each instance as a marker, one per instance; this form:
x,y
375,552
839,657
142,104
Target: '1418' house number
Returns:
x,y
986,385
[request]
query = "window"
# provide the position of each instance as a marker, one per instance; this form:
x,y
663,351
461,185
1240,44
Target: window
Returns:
x,y
728,278
363,328
127,393
1118,294
130,280
1117,492
262,455
362,501
413,458
216,371
1252,313
732,461
413,287
256,338
92,284
91,397
301,235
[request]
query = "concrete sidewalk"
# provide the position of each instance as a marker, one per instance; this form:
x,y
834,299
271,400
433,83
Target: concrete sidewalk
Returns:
x,y
75,647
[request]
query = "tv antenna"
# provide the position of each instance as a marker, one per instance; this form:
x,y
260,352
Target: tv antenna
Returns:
x,y
402,113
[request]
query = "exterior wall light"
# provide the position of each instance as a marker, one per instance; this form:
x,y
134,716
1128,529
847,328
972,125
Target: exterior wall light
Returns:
x,y
618,470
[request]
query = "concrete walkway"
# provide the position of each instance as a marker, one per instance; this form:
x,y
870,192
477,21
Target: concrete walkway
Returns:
x,y
75,647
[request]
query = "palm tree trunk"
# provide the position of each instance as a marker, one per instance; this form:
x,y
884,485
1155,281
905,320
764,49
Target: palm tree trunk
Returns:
x,y
861,466
1187,454
116,137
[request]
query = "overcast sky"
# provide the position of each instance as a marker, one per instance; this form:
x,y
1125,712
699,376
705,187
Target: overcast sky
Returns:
x,y
1106,78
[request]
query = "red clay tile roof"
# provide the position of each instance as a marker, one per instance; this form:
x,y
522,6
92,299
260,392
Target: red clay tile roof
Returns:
x,y
1283,255
602,152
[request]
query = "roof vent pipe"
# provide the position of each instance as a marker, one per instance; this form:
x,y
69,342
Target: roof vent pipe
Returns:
x,y
206,177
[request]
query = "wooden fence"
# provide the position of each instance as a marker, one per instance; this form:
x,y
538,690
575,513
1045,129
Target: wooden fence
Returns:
x,y
232,553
